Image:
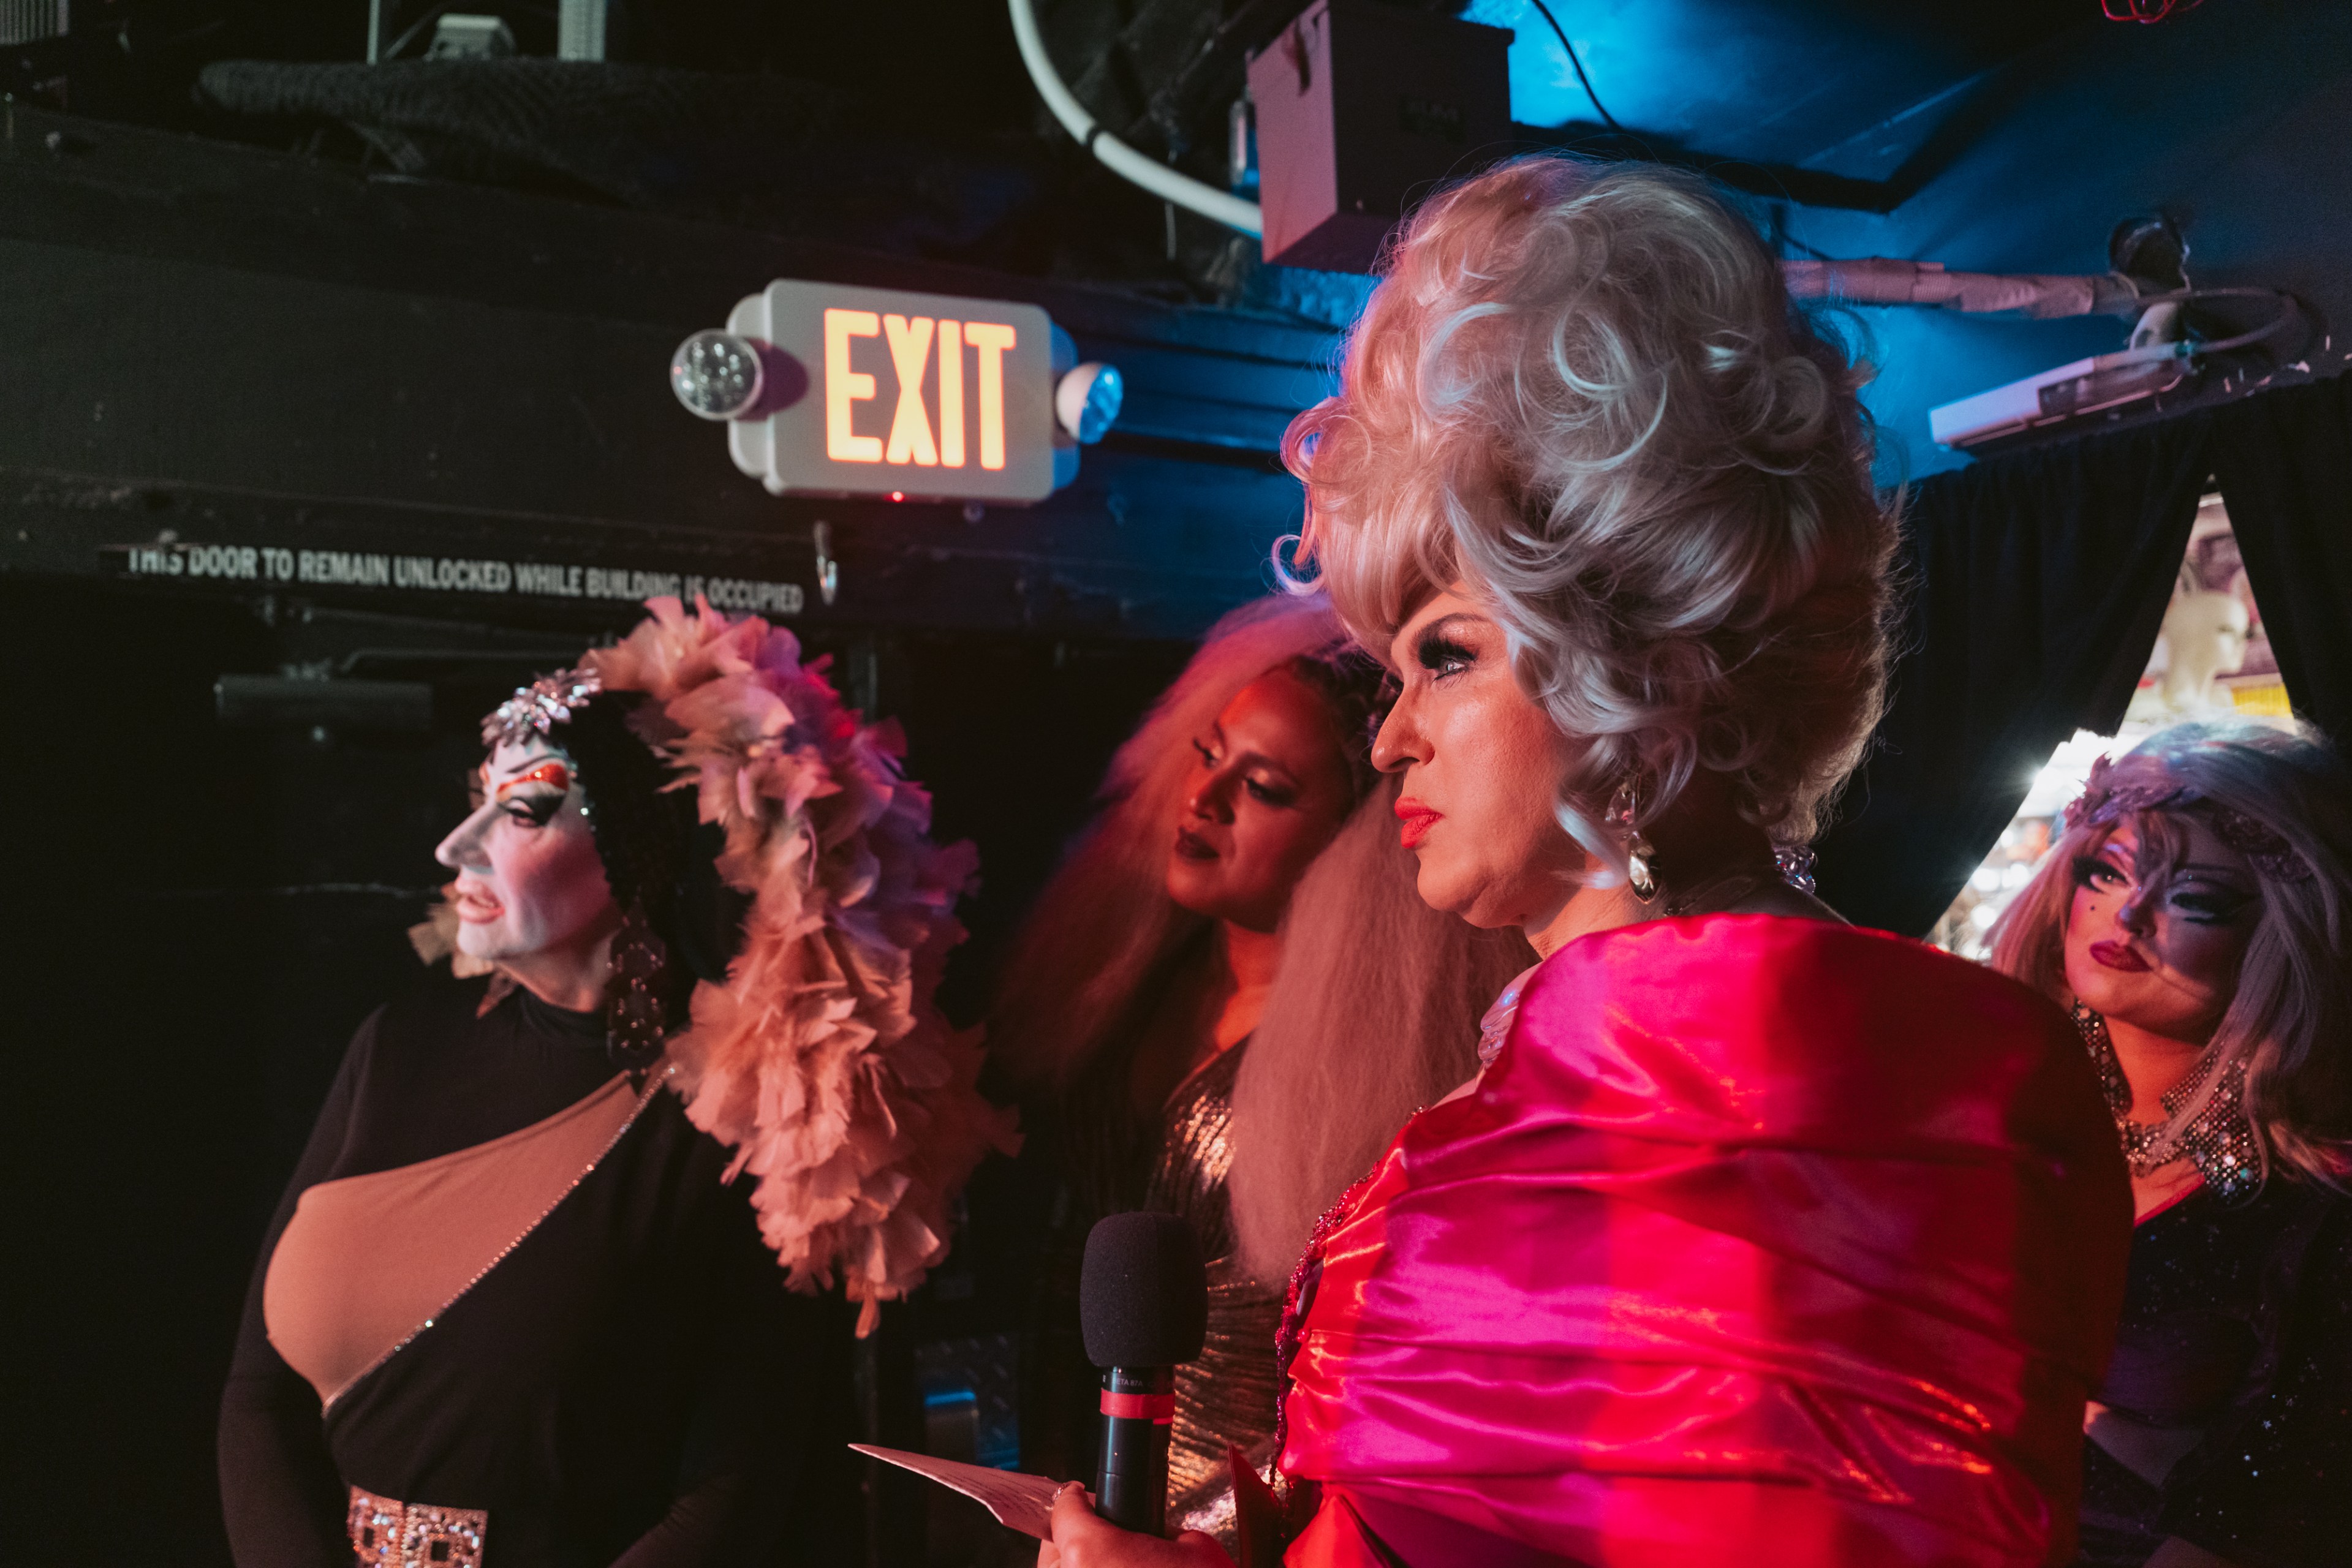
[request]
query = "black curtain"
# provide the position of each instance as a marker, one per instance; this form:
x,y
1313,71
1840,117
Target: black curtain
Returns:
x,y
2035,585
2283,463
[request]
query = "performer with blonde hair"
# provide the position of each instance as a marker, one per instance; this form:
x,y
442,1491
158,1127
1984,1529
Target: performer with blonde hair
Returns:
x,y
1228,1000
1759,1239
2196,916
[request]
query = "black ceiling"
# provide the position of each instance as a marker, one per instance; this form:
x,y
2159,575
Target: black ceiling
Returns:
x,y
1865,98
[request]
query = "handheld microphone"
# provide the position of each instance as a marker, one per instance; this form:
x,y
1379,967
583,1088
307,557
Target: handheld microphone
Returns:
x,y
1143,1307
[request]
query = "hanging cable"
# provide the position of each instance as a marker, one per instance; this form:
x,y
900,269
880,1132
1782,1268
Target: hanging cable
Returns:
x,y
2288,313
1116,155
1606,118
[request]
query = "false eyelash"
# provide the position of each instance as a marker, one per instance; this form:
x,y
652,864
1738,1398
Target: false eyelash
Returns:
x,y
2211,910
2086,868
1436,652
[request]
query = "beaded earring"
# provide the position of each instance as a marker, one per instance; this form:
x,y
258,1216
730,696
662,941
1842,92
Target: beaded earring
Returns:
x,y
1640,874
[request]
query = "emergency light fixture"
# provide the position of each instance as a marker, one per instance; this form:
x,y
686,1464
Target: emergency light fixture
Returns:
x,y
834,390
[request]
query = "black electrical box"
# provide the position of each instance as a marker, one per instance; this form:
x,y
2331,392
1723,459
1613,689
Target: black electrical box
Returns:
x,y
1362,109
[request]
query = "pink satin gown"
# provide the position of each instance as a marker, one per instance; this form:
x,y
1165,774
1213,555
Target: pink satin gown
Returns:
x,y
1764,1241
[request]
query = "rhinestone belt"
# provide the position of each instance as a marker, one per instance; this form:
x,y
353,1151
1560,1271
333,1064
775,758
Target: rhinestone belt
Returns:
x,y
388,1533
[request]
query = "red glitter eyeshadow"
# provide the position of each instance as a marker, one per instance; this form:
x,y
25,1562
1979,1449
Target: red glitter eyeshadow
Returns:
x,y
552,773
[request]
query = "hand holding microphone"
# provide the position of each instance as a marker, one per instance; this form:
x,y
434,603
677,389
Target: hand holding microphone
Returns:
x,y
1143,1307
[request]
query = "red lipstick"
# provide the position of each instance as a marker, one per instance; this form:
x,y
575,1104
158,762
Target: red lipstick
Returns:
x,y
1418,819
2117,955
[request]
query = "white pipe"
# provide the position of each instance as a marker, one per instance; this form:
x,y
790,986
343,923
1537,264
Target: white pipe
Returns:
x,y
1117,156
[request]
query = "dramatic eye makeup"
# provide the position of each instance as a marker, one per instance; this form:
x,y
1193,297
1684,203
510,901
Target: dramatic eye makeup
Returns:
x,y
2202,899
538,808
1443,654
2099,875
1442,649
1271,786
2209,900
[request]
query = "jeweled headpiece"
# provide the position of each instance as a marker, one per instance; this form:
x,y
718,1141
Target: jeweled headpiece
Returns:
x,y
536,709
2102,804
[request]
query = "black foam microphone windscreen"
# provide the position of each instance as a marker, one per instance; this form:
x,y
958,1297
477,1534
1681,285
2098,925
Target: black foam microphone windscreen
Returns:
x,y
1143,1307
1143,1292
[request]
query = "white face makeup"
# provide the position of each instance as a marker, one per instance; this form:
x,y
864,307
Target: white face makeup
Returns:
x,y
529,881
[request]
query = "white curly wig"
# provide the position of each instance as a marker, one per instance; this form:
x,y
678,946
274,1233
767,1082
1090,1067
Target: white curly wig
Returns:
x,y
1582,394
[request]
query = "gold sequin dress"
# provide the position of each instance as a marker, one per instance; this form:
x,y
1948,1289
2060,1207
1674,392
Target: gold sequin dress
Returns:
x,y
1227,1395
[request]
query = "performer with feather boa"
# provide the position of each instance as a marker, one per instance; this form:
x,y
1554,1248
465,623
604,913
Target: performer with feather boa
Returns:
x,y
515,1307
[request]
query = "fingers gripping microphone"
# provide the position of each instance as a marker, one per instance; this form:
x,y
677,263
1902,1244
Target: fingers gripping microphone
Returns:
x,y
1143,1307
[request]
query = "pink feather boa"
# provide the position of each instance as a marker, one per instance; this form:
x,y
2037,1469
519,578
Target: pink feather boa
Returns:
x,y
823,1062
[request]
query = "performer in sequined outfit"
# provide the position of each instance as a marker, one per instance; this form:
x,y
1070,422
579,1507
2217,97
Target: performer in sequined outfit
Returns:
x,y
510,1313
1763,1240
1215,955
2196,916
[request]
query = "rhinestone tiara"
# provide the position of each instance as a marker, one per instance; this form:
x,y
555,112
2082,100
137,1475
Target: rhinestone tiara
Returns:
x,y
536,709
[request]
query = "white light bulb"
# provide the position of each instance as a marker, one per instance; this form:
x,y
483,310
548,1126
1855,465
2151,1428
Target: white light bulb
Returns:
x,y
717,375
1087,399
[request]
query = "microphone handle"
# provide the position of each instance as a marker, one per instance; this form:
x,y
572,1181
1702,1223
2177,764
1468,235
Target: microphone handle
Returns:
x,y
1138,1407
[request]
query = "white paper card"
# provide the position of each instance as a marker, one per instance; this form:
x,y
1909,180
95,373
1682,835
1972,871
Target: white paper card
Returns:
x,y
1021,1502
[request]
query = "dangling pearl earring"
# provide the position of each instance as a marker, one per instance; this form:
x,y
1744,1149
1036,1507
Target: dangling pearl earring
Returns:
x,y
1624,808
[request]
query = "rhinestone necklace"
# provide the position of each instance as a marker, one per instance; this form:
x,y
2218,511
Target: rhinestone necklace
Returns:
x,y
2218,1140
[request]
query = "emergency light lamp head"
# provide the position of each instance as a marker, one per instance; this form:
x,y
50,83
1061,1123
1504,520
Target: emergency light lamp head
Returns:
x,y
1087,399
717,375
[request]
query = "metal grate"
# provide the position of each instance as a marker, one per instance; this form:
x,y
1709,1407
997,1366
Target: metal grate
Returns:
x,y
30,21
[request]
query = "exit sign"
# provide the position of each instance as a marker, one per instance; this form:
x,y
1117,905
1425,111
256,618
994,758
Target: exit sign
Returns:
x,y
883,392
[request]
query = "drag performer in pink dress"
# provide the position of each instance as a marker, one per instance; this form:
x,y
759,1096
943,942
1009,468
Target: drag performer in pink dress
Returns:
x,y
510,1313
1760,1240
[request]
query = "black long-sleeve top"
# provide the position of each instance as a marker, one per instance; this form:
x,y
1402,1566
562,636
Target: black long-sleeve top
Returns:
x,y
2238,1323
631,1384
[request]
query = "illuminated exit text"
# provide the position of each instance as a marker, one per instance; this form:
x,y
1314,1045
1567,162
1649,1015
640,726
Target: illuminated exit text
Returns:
x,y
927,434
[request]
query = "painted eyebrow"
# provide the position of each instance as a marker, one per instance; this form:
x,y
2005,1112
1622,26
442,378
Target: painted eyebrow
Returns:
x,y
532,775
1448,619
2229,876
1260,759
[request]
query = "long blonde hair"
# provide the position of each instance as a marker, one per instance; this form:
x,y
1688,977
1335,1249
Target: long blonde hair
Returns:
x,y
1374,1014
1375,1004
2290,1015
